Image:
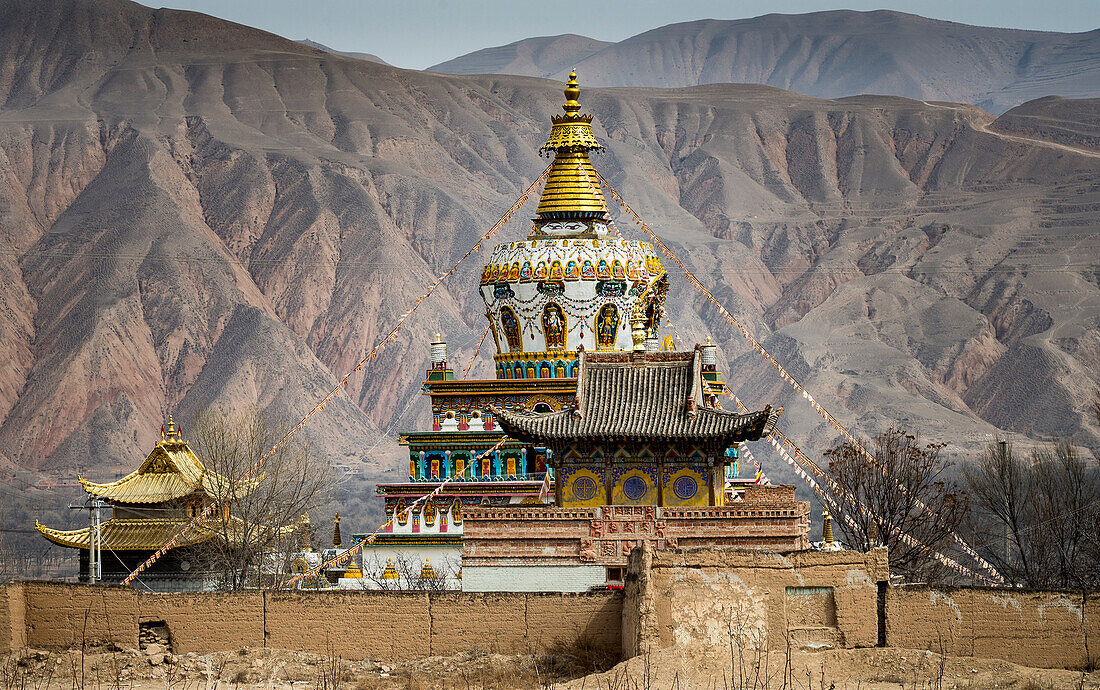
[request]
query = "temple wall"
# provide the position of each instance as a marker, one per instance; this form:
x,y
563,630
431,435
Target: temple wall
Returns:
x,y
13,626
672,598
1033,628
558,578
843,599
376,625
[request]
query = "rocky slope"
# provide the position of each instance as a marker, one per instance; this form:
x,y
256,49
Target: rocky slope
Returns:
x,y
197,213
824,54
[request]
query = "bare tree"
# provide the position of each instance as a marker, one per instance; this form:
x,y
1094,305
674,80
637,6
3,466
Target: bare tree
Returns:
x,y
1038,518
262,512
904,476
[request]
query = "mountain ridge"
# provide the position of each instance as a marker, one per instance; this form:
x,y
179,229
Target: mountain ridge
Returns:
x,y
192,224
826,54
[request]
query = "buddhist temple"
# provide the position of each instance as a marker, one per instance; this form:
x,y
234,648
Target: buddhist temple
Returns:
x,y
609,438
148,507
572,285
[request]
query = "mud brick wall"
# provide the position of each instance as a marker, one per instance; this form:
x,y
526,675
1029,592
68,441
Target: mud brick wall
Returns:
x,y
1034,628
691,596
355,625
62,615
207,621
13,629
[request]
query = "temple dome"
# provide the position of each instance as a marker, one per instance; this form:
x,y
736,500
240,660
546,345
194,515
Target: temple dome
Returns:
x,y
572,189
571,283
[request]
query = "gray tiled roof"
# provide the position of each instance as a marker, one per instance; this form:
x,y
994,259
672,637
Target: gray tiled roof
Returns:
x,y
623,395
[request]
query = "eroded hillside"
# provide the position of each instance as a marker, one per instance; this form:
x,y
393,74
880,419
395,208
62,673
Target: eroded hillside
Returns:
x,y
199,213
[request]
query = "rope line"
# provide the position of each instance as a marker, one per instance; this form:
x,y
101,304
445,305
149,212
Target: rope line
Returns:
x,y
783,373
320,406
473,357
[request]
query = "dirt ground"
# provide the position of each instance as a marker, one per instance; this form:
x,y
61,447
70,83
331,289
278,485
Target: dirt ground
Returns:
x,y
678,669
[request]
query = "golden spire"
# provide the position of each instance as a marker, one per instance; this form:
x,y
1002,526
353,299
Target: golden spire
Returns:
x,y
336,540
572,189
826,526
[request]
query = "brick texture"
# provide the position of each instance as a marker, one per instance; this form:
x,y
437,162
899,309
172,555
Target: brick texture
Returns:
x,y
355,625
1033,628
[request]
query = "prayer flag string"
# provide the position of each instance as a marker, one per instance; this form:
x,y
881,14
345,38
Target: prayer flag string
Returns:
x,y
320,406
781,371
473,357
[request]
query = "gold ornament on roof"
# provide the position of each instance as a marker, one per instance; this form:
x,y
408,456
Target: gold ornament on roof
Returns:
x,y
572,187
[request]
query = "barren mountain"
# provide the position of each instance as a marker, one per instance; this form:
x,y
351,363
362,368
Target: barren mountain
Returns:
x,y
369,57
197,213
824,54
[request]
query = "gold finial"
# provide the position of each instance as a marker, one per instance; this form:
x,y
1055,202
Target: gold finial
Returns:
x,y
171,428
826,526
637,331
337,541
572,92
572,189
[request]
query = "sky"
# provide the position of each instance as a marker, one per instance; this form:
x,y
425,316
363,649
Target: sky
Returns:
x,y
420,33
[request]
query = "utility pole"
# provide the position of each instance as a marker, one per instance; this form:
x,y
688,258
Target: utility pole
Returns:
x,y
95,539
95,546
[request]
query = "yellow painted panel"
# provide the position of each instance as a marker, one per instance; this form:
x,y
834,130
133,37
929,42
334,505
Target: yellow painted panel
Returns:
x,y
584,488
634,487
687,487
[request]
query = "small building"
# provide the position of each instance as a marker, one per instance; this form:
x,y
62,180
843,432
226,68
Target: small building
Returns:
x,y
148,508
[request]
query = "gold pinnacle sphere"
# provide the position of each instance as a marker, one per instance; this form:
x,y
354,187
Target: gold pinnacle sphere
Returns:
x,y
572,93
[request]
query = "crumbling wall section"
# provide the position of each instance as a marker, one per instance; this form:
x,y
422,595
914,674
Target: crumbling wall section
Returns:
x,y
814,599
13,627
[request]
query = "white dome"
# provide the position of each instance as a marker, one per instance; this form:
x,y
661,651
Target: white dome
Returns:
x,y
546,297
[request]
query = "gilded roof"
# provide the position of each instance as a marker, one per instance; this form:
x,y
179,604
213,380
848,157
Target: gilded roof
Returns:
x,y
572,186
147,534
170,471
659,395
130,534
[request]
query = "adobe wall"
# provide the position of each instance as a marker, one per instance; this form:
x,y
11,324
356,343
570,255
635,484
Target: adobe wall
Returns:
x,y
1034,628
690,596
355,625
13,629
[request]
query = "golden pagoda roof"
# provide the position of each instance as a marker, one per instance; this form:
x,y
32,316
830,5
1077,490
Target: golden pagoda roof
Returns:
x,y
129,534
170,471
572,186
147,534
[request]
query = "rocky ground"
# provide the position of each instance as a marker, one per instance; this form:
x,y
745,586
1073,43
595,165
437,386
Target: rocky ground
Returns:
x,y
870,669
